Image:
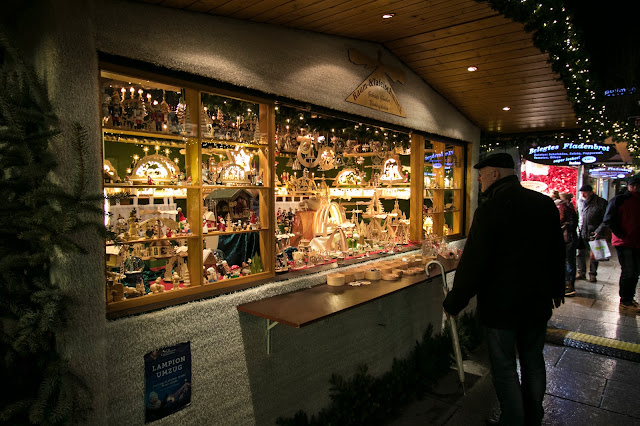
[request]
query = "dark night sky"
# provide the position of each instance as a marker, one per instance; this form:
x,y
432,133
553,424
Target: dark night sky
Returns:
x,y
611,34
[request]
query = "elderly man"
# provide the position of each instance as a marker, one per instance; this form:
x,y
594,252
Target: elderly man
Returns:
x,y
623,218
514,261
591,210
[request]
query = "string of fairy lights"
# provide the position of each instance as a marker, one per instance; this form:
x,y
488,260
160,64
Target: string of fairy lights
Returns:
x,y
554,33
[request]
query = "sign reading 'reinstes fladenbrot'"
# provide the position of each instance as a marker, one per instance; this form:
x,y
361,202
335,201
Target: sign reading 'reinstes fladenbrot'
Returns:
x,y
569,153
375,91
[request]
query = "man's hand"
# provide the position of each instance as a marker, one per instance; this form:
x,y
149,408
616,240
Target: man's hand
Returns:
x,y
557,301
448,314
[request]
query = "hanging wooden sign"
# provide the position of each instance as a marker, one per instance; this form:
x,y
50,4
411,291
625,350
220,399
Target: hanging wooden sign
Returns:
x,y
375,91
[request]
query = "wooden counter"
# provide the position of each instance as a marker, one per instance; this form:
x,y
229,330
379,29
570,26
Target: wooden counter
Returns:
x,y
306,306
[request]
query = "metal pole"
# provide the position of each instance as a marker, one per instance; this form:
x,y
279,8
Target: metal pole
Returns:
x,y
452,321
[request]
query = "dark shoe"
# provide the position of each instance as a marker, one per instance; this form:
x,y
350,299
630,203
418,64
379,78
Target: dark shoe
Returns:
x,y
491,422
630,307
569,290
592,279
581,277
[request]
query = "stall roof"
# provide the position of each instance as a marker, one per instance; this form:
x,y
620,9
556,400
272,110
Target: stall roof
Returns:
x,y
438,40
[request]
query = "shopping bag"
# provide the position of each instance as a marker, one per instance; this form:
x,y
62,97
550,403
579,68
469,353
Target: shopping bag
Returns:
x,y
600,249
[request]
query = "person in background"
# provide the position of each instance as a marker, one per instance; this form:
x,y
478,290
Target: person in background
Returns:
x,y
513,261
623,219
569,224
555,196
591,209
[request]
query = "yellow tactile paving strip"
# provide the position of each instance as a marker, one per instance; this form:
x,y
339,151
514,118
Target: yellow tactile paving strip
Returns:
x,y
603,341
597,344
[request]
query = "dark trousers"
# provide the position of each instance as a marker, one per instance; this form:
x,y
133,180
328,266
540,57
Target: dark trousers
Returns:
x,y
583,256
570,253
629,259
520,397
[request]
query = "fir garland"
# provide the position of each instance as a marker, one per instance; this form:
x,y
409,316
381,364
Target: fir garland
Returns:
x,y
38,221
554,33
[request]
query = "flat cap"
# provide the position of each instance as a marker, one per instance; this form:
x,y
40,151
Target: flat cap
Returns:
x,y
586,188
501,160
633,179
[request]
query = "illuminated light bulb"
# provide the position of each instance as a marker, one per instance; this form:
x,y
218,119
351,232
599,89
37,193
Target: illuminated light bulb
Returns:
x,y
388,15
155,102
472,68
136,157
145,149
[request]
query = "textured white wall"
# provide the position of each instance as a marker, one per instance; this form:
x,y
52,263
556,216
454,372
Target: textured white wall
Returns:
x,y
234,381
301,65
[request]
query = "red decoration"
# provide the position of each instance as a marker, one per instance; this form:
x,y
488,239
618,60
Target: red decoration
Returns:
x,y
561,179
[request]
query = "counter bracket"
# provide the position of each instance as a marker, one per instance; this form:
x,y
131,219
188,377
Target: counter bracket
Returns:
x,y
270,325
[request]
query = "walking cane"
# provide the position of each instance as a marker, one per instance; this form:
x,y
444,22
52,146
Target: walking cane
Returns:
x,y
454,328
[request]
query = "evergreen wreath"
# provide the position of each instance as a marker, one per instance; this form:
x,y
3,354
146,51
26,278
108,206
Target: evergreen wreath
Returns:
x,y
39,224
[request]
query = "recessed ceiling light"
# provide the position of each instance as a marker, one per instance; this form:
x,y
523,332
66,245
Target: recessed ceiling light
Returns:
x,y
506,108
472,69
388,15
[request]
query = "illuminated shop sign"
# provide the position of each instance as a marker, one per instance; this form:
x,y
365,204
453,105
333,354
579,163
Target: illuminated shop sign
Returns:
x,y
610,172
436,159
569,153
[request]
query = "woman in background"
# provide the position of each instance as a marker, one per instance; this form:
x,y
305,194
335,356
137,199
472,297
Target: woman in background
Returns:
x,y
569,223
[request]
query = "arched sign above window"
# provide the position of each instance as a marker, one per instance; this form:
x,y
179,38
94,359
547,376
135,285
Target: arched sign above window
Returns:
x,y
569,153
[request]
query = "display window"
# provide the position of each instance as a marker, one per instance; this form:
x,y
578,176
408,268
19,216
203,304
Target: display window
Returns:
x,y
208,192
444,189
187,182
342,188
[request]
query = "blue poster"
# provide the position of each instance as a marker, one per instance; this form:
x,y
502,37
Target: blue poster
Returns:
x,y
167,381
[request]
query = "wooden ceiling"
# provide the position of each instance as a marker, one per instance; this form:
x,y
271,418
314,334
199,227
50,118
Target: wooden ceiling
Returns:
x,y
439,40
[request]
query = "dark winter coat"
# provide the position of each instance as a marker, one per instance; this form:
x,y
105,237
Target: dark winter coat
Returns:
x,y
623,219
591,213
514,258
568,222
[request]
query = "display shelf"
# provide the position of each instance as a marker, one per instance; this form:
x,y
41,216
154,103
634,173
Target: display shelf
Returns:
x,y
211,188
151,240
152,301
146,134
237,231
159,186
371,154
206,139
